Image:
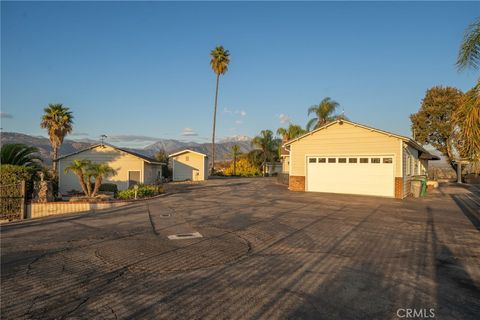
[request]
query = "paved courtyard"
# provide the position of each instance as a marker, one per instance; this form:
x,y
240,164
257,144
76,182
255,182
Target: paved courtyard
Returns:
x,y
266,253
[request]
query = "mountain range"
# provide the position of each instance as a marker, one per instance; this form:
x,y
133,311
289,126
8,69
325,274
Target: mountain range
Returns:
x,y
222,148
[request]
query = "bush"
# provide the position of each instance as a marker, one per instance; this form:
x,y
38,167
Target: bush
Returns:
x,y
245,168
109,187
143,191
12,174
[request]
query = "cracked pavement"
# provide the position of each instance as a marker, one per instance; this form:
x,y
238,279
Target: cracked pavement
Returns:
x,y
266,253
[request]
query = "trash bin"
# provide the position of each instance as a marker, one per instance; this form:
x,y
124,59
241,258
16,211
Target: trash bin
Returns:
x,y
423,179
416,188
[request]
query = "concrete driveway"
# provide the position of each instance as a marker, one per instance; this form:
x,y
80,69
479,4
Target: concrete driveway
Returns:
x,y
265,253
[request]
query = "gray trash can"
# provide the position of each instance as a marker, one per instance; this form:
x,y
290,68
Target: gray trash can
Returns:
x,y
416,188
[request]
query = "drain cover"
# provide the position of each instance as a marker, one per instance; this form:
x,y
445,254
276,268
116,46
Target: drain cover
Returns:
x,y
165,215
179,236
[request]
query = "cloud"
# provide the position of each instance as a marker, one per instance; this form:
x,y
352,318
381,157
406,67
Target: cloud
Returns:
x,y
283,118
241,113
228,111
188,132
238,112
238,121
5,115
77,134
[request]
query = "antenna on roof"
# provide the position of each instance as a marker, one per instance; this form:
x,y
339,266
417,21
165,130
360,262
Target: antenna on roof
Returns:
x,y
102,139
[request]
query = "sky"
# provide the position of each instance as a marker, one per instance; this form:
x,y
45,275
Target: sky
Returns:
x,y
139,71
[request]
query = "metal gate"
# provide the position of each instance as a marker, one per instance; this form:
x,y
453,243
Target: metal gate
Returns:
x,y
12,201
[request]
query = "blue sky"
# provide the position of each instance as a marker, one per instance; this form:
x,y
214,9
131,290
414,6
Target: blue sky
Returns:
x,y
137,71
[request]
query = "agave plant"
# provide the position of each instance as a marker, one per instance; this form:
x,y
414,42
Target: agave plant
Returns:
x,y
21,155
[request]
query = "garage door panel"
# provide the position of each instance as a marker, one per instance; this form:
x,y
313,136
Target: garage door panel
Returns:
x,y
351,178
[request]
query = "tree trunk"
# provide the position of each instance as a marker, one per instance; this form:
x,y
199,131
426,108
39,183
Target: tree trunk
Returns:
x,y
54,163
89,187
214,124
98,182
82,183
234,164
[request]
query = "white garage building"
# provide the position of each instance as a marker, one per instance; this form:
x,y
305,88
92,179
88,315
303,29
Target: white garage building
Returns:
x,y
189,165
347,157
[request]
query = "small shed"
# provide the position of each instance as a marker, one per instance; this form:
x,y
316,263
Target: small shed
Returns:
x,y
189,165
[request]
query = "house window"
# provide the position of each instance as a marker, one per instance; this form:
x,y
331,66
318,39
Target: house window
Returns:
x,y
321,160
363,160
332,160
342,160
312,160
387,160
352,160
409,165
375,160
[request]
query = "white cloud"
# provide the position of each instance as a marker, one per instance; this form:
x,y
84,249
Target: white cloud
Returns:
x,y
238,121
5,115
188,132
283,118
241,113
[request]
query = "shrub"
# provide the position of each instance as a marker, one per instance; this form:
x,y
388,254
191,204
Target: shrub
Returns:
x,y
12,174
143,191
109,187
245,168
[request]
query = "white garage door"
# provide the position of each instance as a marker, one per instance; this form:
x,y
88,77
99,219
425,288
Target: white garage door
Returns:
x,y
367,175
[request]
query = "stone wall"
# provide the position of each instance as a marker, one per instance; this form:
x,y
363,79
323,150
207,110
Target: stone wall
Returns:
x,y
296,183
37,210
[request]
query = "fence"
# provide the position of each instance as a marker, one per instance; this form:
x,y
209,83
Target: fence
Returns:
x,y
12,201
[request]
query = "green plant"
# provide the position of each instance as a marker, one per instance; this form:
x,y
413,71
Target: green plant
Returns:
x,y
58,121
143,191
469,53
21,155
244,168
267,145
98,171
219,61
85,170
13,174
108,187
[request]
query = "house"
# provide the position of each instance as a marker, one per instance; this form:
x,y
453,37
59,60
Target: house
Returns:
x,y
189,165
347,157
132,168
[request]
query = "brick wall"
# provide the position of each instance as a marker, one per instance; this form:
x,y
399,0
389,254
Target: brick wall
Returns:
x,y
399,187
296,183
37,210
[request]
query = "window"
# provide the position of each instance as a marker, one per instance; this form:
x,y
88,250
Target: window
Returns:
x,y
332,160
321,160
312,160
187,158
363,160
352,160
375,160
387,160
342,160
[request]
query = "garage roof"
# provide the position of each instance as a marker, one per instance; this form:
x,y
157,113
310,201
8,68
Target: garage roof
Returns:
x,y
185,151
424,153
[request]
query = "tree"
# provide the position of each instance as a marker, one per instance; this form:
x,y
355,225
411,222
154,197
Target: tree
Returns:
x,y
244,168
235,151
467,121
266,143
433,123
219,61
161,156
98,171
79,168
469,53
293,131
324,113
58,121
20,155
85,170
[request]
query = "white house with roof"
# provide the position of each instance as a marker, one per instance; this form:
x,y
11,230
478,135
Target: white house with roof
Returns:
x,y
189,165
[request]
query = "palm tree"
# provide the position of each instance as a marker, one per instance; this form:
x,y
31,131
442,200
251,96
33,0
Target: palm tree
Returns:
x,y
219,60
267,144
467,120
99,171
324,113
469,53
20,155
58,120
293,131
79,168
235,152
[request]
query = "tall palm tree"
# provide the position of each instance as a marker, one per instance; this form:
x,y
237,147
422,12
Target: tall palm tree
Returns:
x,y
58,121
219,61
293,131
324,113
99,171
267,144
235,152
21,155
469,53
79,168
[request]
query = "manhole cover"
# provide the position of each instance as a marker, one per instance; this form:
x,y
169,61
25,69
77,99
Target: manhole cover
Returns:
x,y
180,236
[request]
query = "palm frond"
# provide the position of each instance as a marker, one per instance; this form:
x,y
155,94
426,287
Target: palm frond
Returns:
x,y
469,53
